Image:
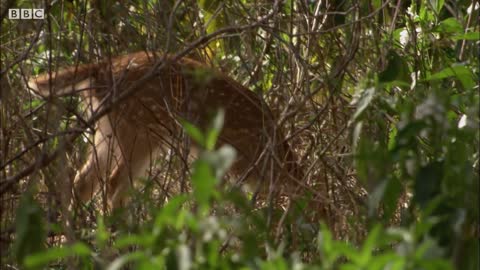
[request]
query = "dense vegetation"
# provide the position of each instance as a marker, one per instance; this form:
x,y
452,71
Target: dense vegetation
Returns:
x,y
379,99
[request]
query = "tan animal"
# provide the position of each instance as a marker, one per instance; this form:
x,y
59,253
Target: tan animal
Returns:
x,y
126,137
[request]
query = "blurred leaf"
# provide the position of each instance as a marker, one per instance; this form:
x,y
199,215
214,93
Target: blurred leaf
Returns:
x,y
362,102
376,4
194,132
390,200
214,131
201,76
168,213
135,240
396,70
369,246
392,137
203,181
102,234
461,72
123,260
428,183
437,5
448,26
29,230
218,120
467,36
324,239
220,160
376,197
57,253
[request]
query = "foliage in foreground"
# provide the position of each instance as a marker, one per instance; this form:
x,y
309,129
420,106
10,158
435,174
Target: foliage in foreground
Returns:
x,y
415,137
195,232
183,237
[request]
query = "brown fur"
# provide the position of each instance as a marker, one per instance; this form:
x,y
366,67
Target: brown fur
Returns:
x,y
128,135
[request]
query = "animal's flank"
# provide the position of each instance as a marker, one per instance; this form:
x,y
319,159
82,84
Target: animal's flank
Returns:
x,y
139,125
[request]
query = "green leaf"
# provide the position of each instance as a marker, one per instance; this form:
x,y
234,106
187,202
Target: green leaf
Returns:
x,y
209,7
428,183
203,182
396,70
135,240
461,72
467,36
392,136
121,261
214,131
448,26
193,132
437,5
369,246
390,199
30,233
57,253
168,213
102,234
324,239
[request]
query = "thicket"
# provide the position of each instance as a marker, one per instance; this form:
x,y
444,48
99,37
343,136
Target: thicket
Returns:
x,y
379,99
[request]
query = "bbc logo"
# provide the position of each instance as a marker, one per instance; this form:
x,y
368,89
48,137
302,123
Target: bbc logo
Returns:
x,y
26,14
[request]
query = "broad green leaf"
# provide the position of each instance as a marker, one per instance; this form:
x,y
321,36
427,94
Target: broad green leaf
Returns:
x,y
396,70
467,36
449,25
461,72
